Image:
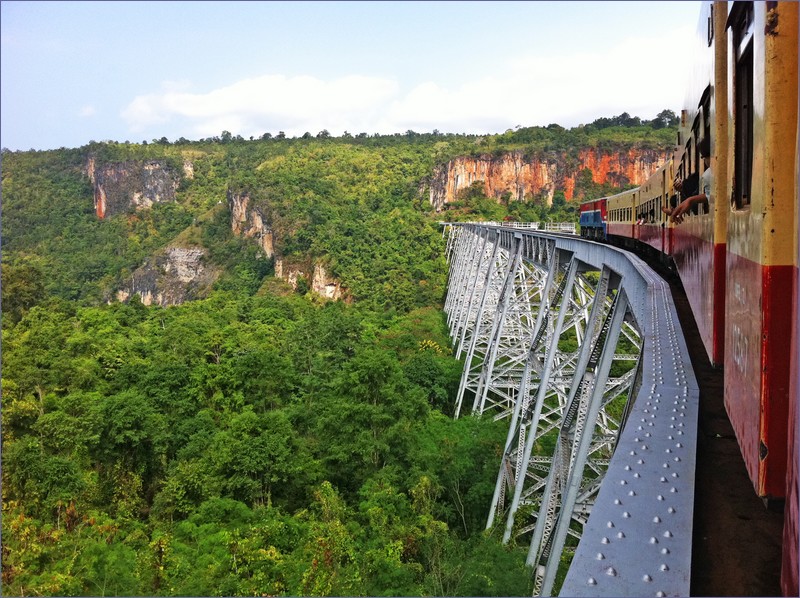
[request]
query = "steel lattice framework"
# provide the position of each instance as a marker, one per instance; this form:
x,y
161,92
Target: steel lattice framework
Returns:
x,y
552,339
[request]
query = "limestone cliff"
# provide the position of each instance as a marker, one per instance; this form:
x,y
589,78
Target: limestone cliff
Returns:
x,y
320,282
175,275
249,221
526,178
120,186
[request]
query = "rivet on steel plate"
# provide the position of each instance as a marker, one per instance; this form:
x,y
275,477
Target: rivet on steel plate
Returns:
x,y
592,581
667,534
671,510
660,497
620,535
617,501
626,514
647,578
632,493
653,540
605,541
665,551
600,556
656,519
611,571
664,567
610,524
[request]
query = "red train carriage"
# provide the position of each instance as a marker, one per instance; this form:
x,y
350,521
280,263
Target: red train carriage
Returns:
x,y
621,214
651,222
698,243
762,113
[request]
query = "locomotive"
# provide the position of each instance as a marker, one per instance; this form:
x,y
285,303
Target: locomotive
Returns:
x,y
737,252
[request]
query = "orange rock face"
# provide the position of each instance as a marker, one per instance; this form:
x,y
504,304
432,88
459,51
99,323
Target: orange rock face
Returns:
x,y
529,178
122,186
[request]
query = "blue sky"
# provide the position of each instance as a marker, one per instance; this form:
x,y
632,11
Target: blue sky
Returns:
x,y
79,71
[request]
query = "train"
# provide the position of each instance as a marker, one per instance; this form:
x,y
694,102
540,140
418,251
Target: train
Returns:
x,y
736,249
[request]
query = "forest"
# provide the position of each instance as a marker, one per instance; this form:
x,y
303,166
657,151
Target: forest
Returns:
x,y
257,439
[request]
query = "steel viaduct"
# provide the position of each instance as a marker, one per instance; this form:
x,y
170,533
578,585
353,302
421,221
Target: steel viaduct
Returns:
x,y
577,344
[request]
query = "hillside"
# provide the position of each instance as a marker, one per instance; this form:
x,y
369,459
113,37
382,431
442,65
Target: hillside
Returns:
x,y
101,221
177,420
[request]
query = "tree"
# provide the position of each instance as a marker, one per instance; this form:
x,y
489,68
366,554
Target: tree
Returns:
x,y
22,287
665,118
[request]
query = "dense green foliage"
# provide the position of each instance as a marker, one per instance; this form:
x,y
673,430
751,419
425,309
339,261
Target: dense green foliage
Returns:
x,y
257,440
240,445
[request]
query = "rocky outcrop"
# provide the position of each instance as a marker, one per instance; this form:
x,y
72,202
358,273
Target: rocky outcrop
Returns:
x,y
320,282
122,186
188,169
176,275
526,178
249,221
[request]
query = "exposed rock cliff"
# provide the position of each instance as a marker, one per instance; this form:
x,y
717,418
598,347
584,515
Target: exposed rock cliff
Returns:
x,y
249,221
526,178
322,284
120,186
176,275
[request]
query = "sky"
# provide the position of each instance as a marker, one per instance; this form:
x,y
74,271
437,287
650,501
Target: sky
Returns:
x,y
75,72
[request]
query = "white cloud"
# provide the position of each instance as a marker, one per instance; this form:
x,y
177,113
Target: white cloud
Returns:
x,y
636,76
258,104
87,111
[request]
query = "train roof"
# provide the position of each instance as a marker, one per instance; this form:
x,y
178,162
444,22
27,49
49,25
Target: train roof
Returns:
x,y
616,195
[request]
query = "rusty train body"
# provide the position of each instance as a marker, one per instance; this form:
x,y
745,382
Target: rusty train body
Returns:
x,y
737,252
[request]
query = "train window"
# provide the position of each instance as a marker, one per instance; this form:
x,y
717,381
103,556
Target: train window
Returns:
x,y
741,23
705,103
